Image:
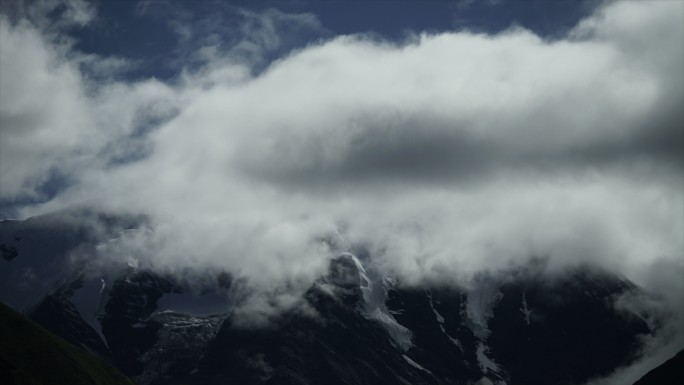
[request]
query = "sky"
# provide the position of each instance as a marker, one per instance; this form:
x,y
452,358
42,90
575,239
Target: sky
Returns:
x,y
441,138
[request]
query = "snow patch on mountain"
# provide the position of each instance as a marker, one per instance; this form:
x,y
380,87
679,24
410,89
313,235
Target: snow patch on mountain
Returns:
x,y
489,381
440,321
375,296
89,300
524,309
348,272
400,335
181,337
483,295
486,364
415,364
438,316
195,304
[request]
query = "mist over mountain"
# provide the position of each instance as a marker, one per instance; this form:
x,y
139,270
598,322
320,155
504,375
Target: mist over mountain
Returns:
x,y
269,194
354,324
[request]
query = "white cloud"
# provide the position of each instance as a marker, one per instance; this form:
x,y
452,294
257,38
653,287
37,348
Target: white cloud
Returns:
x,y
446,118
53,120
41,110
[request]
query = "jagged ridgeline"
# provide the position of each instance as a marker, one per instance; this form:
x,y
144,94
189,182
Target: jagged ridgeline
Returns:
x,y
519,326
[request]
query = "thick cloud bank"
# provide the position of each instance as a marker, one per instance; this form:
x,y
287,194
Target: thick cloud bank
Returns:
x,y
440,156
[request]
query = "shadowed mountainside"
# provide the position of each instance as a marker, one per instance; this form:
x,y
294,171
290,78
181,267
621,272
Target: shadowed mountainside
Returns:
x,y
31,355
670,372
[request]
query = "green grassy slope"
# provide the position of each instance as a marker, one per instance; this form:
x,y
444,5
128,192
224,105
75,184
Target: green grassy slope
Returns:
x,y
31,355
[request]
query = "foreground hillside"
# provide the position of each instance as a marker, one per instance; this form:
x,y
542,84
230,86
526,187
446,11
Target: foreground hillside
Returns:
x,y
31,355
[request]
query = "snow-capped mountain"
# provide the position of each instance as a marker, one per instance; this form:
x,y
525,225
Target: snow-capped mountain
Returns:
x,y
518,326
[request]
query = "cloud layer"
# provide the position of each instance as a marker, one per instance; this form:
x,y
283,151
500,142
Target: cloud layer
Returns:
x,y
449,150
441,155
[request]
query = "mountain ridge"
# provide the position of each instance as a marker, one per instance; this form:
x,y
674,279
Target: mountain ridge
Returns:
x,y
353,325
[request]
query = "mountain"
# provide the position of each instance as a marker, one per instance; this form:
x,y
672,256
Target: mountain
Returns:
x,y
31,355
670,372
352,326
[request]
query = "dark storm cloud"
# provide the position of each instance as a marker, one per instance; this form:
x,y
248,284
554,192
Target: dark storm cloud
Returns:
x,y
383,151
424,150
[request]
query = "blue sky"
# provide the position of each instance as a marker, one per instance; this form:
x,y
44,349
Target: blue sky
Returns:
x,y
146,30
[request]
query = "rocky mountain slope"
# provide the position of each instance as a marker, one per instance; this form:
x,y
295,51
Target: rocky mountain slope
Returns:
x,y
353,325
670,372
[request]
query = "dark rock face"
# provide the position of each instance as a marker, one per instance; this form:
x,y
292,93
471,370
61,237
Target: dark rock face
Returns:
x,y
38,254
571,333
670,372
442,343
59,316
126,324
8,252
351,327
537,332
341,346
180,344
513,329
